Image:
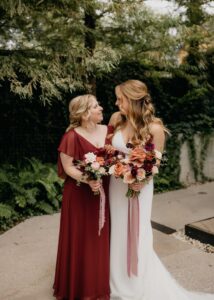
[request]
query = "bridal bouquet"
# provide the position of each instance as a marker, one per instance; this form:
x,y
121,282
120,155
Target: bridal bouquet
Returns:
x,y
138,166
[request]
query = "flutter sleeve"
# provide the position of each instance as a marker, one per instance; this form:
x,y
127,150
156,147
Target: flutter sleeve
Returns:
x,y
110,134
66,146
111,129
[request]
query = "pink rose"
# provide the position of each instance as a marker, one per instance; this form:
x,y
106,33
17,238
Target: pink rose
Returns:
x,y
90,157
141,174
128,178
95,165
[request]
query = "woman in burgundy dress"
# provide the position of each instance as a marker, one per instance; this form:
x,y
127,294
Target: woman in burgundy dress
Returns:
x,y
82,267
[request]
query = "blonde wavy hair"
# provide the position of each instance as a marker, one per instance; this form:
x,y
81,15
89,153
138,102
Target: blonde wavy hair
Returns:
x,y
78,107
141,112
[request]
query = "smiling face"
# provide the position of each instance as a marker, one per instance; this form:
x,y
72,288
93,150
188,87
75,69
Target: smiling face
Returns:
x,y
121,102
95,112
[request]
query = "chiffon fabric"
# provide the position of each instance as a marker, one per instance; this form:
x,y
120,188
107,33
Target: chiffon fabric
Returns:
x,y
153,282
82,266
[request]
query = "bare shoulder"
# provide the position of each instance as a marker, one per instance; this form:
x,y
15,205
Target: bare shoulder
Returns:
x,y
115,117
156,128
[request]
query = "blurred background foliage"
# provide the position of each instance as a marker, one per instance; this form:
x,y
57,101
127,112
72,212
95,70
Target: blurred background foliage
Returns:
x,y
51,51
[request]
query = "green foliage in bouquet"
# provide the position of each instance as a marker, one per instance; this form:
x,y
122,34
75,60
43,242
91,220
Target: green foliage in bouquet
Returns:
x,y
32,189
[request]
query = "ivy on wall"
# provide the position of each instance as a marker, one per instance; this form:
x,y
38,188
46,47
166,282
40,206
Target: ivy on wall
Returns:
x,y
29,128
186,108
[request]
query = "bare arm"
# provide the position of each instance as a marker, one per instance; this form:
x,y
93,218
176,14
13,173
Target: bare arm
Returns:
x,y
158,136
114,118
69,168
72,171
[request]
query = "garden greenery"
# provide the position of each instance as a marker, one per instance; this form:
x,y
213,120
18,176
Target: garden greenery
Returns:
x,y
91,46
28,190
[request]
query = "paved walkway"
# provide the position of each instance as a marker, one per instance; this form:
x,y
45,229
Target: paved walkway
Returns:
x,y
28,251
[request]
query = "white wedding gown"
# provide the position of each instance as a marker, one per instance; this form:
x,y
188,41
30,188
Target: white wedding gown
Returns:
x,y
153,282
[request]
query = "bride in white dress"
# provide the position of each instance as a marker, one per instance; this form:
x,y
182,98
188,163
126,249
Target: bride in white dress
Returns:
x,y
134,122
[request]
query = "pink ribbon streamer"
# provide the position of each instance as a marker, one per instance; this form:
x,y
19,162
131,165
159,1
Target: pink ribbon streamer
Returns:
x,y
102,209
133,236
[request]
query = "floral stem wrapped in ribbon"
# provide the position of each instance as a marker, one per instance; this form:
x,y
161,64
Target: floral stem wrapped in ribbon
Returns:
x,y
94,166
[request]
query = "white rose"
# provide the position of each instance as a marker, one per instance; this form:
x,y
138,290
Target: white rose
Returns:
x,y
141,174
125,160
111,170
102,170
90,157
158,154
155,170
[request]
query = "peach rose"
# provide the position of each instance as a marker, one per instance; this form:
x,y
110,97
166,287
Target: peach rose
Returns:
x,y
118,169
100,160
138,154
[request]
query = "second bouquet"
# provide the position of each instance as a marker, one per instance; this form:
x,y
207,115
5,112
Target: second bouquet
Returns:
x,y
94,166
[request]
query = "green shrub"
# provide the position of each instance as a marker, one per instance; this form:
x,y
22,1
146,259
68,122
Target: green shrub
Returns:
x,y
27,190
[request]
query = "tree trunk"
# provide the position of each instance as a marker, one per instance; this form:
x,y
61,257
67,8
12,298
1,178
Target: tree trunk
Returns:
x,y
90,44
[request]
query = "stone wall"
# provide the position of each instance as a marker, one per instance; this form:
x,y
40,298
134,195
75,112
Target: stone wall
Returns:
x,y
186,172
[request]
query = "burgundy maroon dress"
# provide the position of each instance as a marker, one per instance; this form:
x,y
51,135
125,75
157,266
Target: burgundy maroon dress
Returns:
x,y
82,266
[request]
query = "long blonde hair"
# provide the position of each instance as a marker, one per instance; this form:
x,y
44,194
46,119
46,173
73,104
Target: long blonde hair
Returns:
x,y
78,107
141,112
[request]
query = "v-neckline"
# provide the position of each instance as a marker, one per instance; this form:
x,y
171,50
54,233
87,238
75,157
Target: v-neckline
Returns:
x,y
89,141
122,137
